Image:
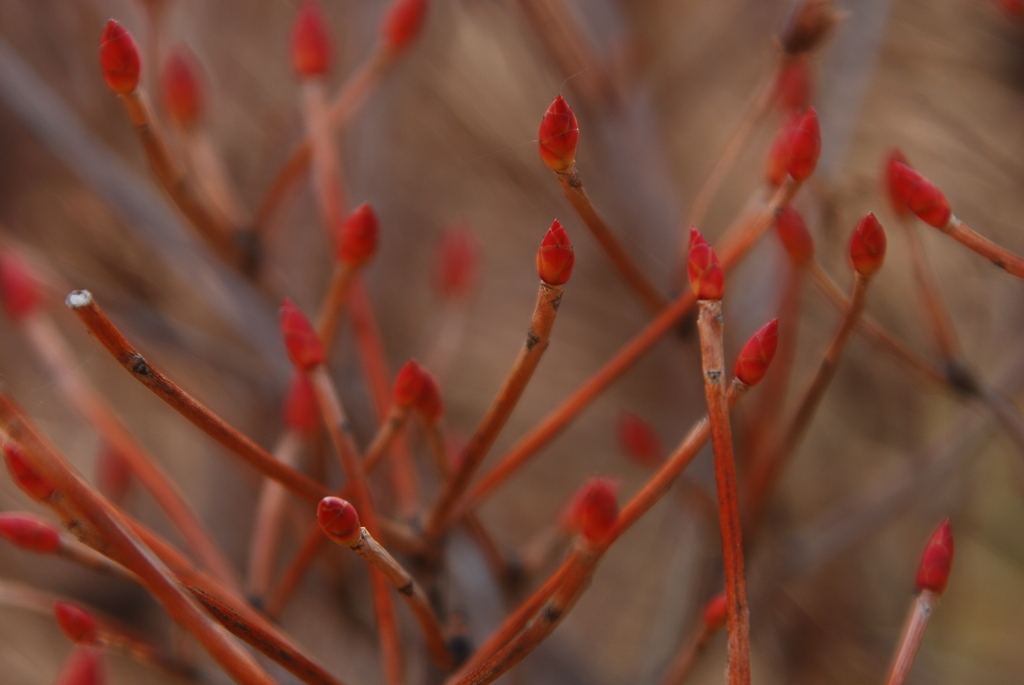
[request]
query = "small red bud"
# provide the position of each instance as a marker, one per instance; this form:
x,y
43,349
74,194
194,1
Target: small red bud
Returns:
x,y
25,476
84,666
793,85
559,133
403,23
113,473
890,173
29,532
638,440
356,238
756,356
339,520
181,87
777,165
597,508
706,276
794,236
456,263
18,290
409,384
311,41
119,58
430,405
300,338
805,146
555,257
867,245
78,625
933,574
808,25
920,195
301,411
715,612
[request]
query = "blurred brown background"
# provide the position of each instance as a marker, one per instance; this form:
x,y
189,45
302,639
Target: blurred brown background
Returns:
x,y
450,137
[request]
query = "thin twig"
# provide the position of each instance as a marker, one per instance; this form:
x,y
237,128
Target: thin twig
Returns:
x,y
917,621
1007,261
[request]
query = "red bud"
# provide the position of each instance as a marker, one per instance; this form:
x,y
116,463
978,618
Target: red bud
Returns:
x,y
456,262
715,612
113,473
794,236
301,411
311,41
920,195
794,84
706,276
84,666
403,23
933,574
339,520
119,58
18,290
777,165
29,532
409,384
756,356
356,239
25,476
808,25
559,133
867,245
77,624
300,338
638,440
895,157
596,509
805,146
555,257
181,87
430,405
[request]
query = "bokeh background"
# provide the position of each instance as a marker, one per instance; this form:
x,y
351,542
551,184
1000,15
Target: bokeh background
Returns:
x,y
449,139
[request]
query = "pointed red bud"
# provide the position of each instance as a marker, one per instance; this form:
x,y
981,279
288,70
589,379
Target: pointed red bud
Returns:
x,y
300,338
891,175
805,146
430,405
715,612
756,356
920,195
301,411
867,245
596,508
356,240
555,257
311,41
29,532
409,384
559,133
456,262
339,520
808,25
25,476
113,473
706,276
181,87
638,440
119,58
18,290
76,623
403,23
777,165
933,574
84,666
794,84
794,236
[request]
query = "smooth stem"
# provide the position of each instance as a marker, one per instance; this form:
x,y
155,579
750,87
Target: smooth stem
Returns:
x,y
213,178
931,297
327,184
73,550
709,323
917,621
333,306
572,186
75,386
344,444
82,303
998,255
537,337
731,251
266,525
